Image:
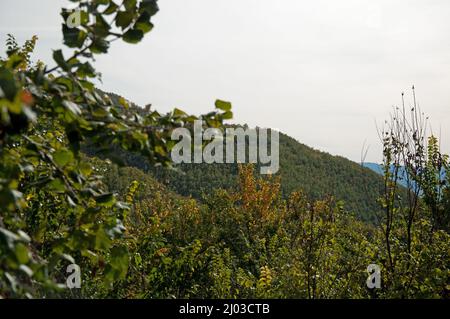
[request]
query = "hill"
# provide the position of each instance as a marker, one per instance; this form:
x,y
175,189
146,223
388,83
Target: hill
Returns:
x,y
317,174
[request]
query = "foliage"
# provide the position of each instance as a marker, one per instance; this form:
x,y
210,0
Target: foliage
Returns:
x,y
133,237
415,222
251,243
55,209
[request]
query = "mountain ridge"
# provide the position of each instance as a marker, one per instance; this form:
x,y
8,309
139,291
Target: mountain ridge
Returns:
x,y
317,173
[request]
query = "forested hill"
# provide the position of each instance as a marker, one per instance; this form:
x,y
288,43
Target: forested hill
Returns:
x,y
317,174
320,173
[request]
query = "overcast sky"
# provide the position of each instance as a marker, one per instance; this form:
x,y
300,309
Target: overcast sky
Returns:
x,y
322,71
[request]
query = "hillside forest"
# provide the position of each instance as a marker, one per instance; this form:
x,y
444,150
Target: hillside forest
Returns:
x,y
86,179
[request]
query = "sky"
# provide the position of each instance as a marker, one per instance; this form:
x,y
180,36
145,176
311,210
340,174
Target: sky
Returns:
x,y
324,71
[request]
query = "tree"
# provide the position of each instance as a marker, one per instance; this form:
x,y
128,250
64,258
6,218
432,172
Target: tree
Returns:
x,y
417,214
55,209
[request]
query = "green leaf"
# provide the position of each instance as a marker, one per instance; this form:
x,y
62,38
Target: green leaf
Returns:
x,y
86,70
223,105
130,5
63,157
101,27
107,199
56,185
124,19
102,241
227,115
133,36
59,59
8,86
143,23
149,6
178,112
21,253
120,261
99,46
85,168
73,37
124,103
138,259
111,8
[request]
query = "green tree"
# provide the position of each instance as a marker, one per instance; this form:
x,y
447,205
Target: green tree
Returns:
x,y
54,207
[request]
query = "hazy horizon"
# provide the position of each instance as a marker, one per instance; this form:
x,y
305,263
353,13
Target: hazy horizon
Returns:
x,y
323,72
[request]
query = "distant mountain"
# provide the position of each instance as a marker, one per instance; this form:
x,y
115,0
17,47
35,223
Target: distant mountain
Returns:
x,y
378,168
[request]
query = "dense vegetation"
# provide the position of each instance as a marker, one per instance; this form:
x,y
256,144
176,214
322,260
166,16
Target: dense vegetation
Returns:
x,y
250,242
134,238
